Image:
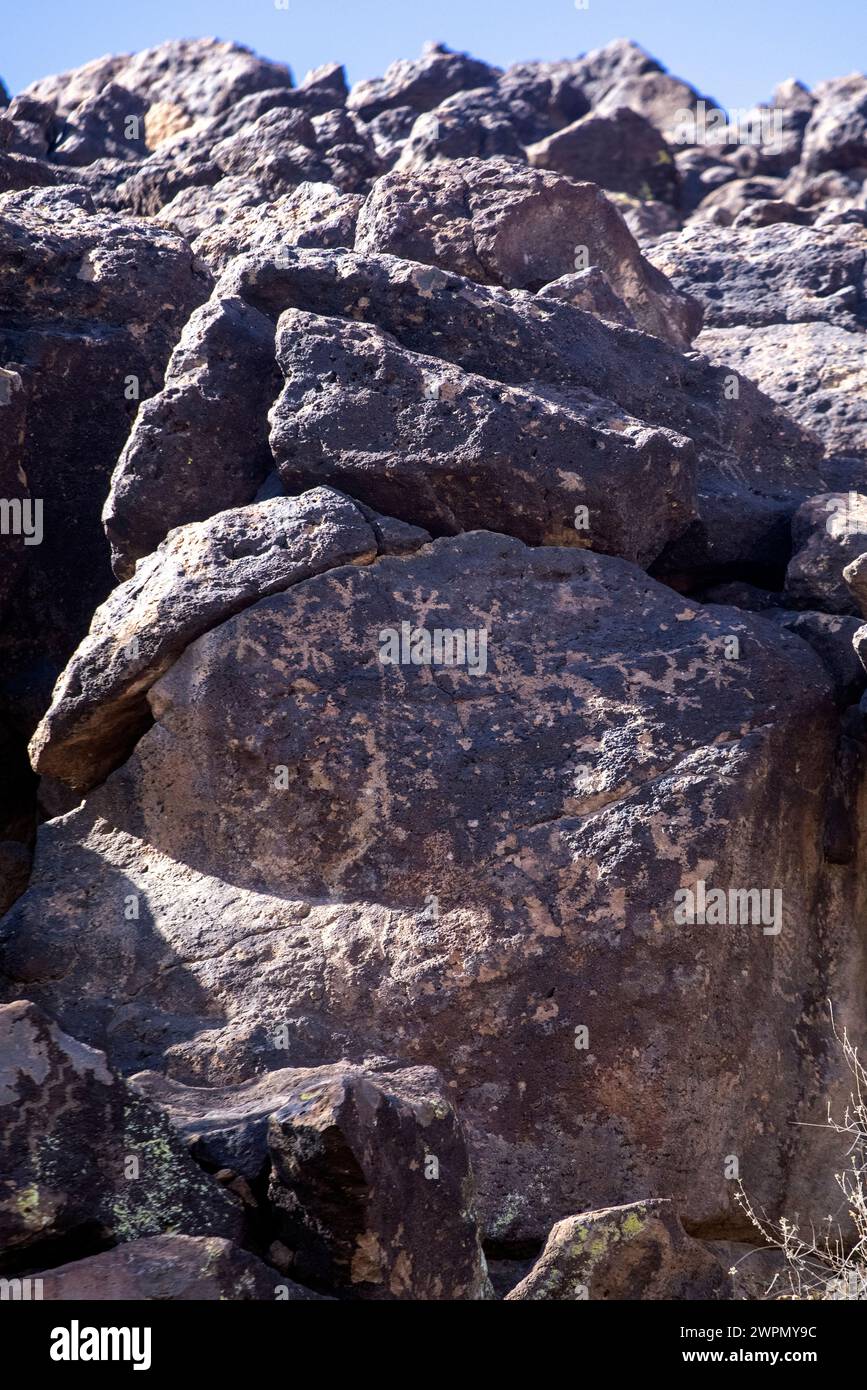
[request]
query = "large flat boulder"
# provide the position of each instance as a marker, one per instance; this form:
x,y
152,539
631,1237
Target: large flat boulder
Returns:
x,y
621,151
340,846
754,466
453,451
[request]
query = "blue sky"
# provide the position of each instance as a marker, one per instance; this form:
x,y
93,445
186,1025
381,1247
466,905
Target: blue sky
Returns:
x,y
733,50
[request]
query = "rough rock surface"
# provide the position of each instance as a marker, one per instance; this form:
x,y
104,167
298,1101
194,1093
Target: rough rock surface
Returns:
x,y
828,533
314,214
362,1173
634,1252
83,1157
167,1269
396,819
469,124
421,84
620,151
413,437
200,576
91,306
787,306
520,228
200,445
752,461
202,76
836,137
618,755
372,1189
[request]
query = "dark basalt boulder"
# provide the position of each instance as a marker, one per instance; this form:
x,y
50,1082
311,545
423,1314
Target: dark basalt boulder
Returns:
x,y
752,277
828,533
194,581
787,306
621,151
110,125
170,1269
312,215
279,149
362,1173
635,1252
521,228
452,451
84,1157
836,136
28,126
91,306
476,124
754,466
421,83
204,77
340,857
724,203
200,445
543,97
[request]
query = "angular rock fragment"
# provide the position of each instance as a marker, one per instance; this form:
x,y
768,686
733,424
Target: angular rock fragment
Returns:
x,y
725,203
543,97
756,277
701,170
754,464
201,575
590,290
620,151
831,635
372,1189
828,533
787,306
420,83
199,208
855,577
635,1252
836,137
83,1157
520,228
109,125
475,124
313,214
766,212
28,127
453,451
368,1181
200,445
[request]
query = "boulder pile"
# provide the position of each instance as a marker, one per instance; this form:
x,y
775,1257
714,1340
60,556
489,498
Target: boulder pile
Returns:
x,y
432,674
